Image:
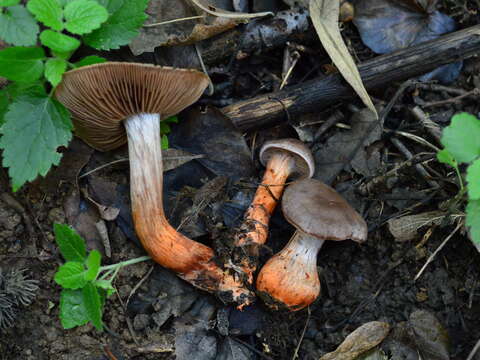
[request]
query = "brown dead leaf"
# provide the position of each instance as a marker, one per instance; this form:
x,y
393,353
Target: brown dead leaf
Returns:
x,y
361,340
177,22
324,15
405,228
213,10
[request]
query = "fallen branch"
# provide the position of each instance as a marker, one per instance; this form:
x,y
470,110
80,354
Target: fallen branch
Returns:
x,y
271,109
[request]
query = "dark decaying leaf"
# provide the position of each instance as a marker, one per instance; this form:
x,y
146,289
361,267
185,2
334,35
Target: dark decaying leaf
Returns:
x,y
430,336
192,333
212,134
232,350
167,295
389,25
335,154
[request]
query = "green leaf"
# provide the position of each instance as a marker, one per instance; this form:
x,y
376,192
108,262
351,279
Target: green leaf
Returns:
x,y
23,64
84,16
72,309
9,2
93,265
54,69
127,17
445,157
104,284
461,137
34,128
71,245
12,90
18,27
90,60
473,179
59,42
473,219
164,142
91,299
71,275
49,12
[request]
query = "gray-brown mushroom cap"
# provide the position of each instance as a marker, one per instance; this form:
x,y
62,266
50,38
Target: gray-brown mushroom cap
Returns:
x,y
101,96
318,210
304,162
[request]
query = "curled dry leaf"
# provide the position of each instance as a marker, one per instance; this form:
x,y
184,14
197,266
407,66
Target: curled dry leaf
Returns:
x,y
405,228
177,22
213,10
361,340
324,15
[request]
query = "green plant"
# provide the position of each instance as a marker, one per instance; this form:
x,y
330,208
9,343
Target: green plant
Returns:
x,y
32,123
461,140
85,283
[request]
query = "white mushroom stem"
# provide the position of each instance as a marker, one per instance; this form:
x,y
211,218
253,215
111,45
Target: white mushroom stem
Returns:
x,y
290,277
193,261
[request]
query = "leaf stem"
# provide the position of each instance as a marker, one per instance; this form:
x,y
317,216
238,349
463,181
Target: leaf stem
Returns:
x,y
125,263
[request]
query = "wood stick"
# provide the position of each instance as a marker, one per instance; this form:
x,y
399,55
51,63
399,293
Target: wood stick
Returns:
x,y
271,109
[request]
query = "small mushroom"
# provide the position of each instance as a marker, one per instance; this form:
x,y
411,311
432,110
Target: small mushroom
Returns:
x,y
113,101
289,279
283,159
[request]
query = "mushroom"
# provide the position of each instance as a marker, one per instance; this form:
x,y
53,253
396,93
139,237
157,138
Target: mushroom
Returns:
x,y
283,159
113,102
289,279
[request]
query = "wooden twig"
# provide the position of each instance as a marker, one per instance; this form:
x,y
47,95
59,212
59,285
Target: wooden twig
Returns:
x,y
314,95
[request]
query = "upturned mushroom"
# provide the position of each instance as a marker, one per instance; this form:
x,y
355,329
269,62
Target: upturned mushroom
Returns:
x,y
289,279
113,102
282,159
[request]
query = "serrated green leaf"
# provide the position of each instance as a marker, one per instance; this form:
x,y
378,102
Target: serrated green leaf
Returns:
x,y
54,69
34,128
59,42
473,179
71,275
9,2
22,64
72,309
90,60
445,157
91,299
93,265
112,6
461,137
84,16
104,284
71,245
49,12
121,27
12,90
473,219
18,27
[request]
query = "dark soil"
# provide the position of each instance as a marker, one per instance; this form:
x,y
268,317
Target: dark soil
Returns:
x,y
360,283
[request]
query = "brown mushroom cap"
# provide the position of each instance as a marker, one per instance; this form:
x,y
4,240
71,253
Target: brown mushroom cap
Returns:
x,y
101,96
304,163
318,210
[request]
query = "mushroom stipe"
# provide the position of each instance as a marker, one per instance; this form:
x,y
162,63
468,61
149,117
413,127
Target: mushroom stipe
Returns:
x,y
283,159
111,102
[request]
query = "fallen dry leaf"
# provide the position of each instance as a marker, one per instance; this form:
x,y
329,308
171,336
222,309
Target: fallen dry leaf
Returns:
x,y
324,15
405,228
177,22
214,10
173,158
361,340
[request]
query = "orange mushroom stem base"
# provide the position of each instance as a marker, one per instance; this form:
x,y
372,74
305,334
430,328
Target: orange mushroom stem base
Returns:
x,y
193,261
289,280
253,232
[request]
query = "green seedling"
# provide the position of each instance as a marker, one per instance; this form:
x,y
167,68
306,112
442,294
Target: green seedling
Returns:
x,y
85,283
461,141
33,125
